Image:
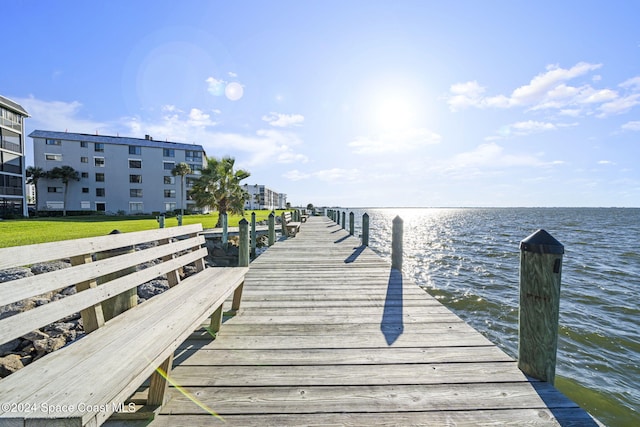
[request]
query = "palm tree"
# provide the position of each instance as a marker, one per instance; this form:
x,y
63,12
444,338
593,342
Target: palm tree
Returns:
x,y
219,187
64,174
181,169
34,174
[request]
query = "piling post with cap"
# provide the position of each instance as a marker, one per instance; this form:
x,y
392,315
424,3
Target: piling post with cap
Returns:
x,y
396,243
540,277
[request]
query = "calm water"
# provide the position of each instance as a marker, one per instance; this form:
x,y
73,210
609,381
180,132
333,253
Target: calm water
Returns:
x,y
469,259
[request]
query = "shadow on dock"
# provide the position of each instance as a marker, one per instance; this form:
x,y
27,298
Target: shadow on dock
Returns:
x,y
392,324
356,253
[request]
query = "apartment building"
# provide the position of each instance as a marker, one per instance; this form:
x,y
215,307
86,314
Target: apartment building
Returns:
x,y
117,174
262,197
13,200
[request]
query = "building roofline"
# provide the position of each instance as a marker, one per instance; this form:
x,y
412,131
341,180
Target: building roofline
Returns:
x,y
8,103
110,139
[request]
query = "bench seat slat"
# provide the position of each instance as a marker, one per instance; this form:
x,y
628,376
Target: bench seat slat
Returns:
x,y
22,323
30,254
101,355
28,287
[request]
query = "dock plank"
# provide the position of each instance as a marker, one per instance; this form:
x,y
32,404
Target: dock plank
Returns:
x,y
328,334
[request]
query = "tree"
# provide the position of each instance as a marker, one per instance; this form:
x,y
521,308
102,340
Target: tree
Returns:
x,y
219,187
181,169
64,174
34,175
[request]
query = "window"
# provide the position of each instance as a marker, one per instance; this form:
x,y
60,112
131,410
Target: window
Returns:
x,y
136,207
84,144
98,162
99,177
195,169
168,152
85,205
53,142
170,193
53,157
190,182
135,164
171,206
84,174
193,156
135,192
169,165
85,189
84,160
98,147
99,192
54,189
135,149
169,180
135,179
101,206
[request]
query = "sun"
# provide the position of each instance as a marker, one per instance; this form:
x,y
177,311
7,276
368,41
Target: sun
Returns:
x,y
393,110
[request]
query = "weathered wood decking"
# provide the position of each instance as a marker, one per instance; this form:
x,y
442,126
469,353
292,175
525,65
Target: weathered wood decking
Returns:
x,y
329,335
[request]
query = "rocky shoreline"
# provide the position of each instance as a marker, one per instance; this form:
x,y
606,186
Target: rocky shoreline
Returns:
x,y
20,352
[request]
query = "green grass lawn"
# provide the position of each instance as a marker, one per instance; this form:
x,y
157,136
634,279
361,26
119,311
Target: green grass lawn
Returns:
x,y
20,232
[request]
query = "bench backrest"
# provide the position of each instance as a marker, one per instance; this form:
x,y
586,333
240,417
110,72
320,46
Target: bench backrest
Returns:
x,y
287,216
176,247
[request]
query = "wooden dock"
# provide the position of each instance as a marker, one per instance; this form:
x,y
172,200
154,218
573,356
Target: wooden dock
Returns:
x,y
328,334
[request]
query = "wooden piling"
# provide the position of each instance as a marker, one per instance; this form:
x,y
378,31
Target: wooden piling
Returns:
x,y
272,228
396,244
351,223
254,243
344,220
540,277
243,246
365,229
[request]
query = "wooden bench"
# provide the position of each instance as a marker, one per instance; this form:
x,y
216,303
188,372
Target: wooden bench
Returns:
x,y
289,227
85,382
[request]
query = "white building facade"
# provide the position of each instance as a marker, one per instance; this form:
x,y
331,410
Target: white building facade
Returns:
x,y
262,197
13,198
117,174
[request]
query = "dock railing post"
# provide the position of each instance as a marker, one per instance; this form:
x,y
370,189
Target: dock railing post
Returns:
x,y
225,230
243,245
351,223
540,277
272,228
365,229
283,223
396,243
344,220
338,217
253,234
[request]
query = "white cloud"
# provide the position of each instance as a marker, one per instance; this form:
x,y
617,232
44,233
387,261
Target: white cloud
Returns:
x,y
296,175
283,120
531,126
634,125
200,119
491,155
338,175
216,86
551,90
619,106
326,175
61,115
398,142
606,162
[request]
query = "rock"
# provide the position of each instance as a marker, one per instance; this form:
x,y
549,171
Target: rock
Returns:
x,y
10,346
35,336
9,364
14,274
69,290
48,345
47,267
152,288
16,307
60,328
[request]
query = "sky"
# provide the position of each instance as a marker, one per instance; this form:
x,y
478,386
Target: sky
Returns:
x,y
352,103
